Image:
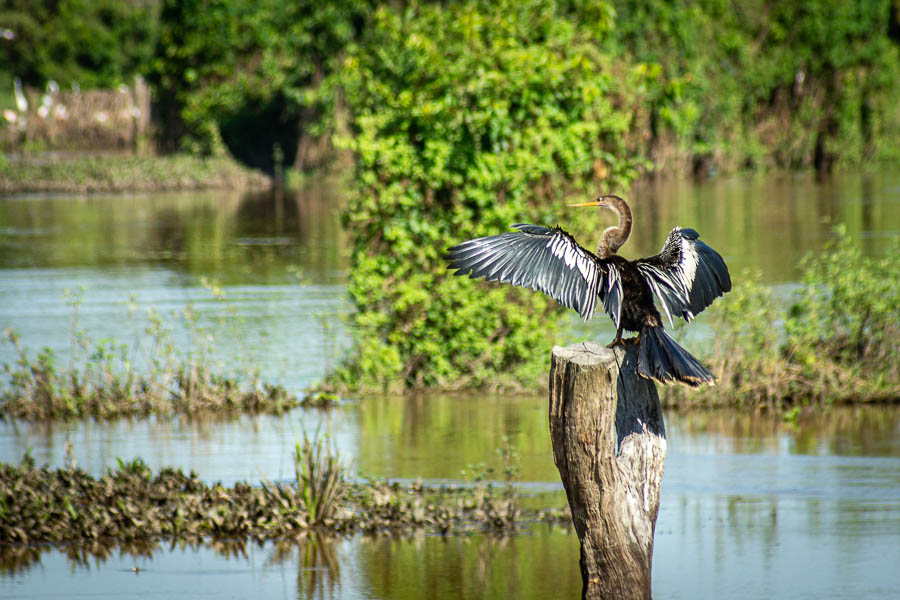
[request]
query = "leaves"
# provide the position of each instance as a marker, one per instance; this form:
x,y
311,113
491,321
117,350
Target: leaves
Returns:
x,y
835,341
469,117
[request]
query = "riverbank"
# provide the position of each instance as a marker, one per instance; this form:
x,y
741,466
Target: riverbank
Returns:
x,y
124,173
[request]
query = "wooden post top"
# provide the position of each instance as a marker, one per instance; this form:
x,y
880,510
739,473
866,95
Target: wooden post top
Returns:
x,y
585,353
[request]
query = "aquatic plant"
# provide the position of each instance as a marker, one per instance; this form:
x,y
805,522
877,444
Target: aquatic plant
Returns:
x,y
835,342
131,503
320,476
109,379
315,495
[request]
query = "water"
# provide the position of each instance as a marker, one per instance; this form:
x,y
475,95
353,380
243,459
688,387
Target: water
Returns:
x,y
279,261
751,506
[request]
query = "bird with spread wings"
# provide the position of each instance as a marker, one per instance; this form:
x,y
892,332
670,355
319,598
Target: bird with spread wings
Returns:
x,y
685,277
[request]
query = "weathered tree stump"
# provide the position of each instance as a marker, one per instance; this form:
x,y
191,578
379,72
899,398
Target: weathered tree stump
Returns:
x,y
609,444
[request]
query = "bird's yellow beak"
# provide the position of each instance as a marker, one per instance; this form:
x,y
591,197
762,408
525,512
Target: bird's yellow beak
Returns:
x,y
601,201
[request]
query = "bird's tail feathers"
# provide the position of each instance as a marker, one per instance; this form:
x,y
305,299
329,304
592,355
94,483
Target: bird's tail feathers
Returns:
x,y
661,358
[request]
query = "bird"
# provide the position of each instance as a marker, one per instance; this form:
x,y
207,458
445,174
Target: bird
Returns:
x,y
21,101
685,277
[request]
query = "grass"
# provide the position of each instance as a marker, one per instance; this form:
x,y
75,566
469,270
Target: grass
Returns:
x,y
315,496
120,173
109,379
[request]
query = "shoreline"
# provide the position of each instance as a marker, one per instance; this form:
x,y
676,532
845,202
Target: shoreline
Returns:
x,y
112,173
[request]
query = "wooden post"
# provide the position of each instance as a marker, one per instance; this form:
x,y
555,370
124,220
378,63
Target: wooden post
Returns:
x,y
609,444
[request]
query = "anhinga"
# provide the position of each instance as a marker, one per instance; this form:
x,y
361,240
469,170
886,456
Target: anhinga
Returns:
x,y
686,276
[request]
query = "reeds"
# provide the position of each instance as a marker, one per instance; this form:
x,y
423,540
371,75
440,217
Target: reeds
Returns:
x,y
109,379
313,498
320,476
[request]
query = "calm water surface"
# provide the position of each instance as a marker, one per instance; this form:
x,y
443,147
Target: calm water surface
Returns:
x,y
751,506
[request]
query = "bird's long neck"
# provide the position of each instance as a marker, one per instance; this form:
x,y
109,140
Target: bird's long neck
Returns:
x,y
613,237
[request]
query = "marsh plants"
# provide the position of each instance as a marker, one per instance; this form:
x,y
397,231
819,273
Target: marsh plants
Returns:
x,y
834,342
319,486
155,375
130,504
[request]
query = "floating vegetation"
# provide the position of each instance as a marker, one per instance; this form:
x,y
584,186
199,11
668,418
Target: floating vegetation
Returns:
x,y
132,504
319,398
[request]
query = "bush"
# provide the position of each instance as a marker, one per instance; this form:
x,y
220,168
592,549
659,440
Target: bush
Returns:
x,y
790,84
468,118
229,72
836,342
92,43
842,331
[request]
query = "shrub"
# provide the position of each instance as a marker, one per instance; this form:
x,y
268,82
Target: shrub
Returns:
x,y
243,74
468,118
90,43
842,331
791,84
836,342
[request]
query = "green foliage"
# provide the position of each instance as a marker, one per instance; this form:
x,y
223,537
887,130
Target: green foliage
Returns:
x,y
316,497
467,118
844,326
716,85
320,477
746,352
836,342
92,43
786,84
248,67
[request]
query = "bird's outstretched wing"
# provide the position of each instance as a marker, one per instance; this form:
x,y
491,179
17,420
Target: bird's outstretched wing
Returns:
x,y
545,259
687,275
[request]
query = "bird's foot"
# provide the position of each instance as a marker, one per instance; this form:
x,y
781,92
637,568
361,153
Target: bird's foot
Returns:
x,y
634,341
616,342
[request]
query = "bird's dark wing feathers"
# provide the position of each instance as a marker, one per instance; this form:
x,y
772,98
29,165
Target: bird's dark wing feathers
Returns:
x,y
544,259
687,275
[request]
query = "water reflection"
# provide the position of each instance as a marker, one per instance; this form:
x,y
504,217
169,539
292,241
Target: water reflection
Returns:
x,y
541,564
769,222
434,438
472,566
249,448
260,237
278,258
751,506
707,546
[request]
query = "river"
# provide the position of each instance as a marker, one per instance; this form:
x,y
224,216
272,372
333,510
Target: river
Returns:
x,y
752,506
